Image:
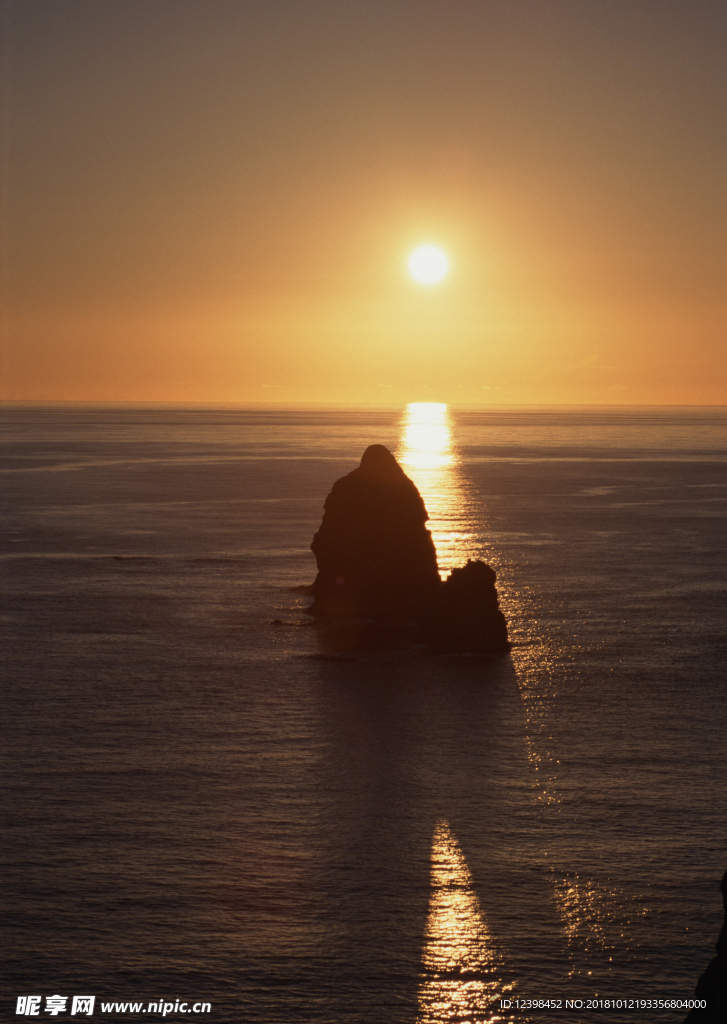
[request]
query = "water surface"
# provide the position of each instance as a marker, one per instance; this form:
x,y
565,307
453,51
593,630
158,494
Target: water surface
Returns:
x,y
207,802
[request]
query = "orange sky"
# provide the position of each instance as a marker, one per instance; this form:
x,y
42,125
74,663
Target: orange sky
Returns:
x,y
215,201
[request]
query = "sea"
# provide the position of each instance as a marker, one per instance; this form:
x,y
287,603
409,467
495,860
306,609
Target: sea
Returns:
x,y
217,809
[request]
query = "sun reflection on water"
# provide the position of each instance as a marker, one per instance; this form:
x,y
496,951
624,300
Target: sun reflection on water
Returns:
x,y
429,456
462,974
427,436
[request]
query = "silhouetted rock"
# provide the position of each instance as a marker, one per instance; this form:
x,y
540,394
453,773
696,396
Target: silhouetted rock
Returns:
x,y
376,560
375,556
465,615
712,985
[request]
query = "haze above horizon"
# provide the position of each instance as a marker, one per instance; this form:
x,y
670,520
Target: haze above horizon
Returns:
x,y
218,202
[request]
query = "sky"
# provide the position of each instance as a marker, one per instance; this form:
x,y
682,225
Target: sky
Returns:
x,y
215,201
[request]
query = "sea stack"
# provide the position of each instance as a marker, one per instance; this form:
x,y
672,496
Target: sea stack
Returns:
x,y
376,560
375,556
465,615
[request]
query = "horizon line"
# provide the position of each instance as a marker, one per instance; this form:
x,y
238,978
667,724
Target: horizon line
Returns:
x,y
340,406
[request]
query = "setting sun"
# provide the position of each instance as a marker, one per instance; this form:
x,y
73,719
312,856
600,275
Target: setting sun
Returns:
x,y
428,264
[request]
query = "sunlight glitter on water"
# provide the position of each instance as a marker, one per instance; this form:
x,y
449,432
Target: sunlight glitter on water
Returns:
x,y
427,436
462,973
429,456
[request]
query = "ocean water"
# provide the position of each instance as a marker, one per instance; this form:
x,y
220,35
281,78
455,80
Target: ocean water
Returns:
x,y
211,799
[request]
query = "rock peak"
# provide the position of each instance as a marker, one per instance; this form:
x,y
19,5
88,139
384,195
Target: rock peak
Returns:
x,y
378,461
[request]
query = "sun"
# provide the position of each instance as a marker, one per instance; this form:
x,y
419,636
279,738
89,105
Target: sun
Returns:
x,y
428,264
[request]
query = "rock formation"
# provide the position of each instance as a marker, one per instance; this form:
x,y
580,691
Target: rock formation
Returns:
x,y
465,615
712,985
376,560
375,556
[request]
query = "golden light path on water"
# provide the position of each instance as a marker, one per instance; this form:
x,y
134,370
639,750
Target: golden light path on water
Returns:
x,y
429,456
461,972
428,453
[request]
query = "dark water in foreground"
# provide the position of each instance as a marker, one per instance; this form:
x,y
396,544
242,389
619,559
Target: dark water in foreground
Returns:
x,y
209,801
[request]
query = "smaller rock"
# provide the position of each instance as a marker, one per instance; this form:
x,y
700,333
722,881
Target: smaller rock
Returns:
x,y
465,615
